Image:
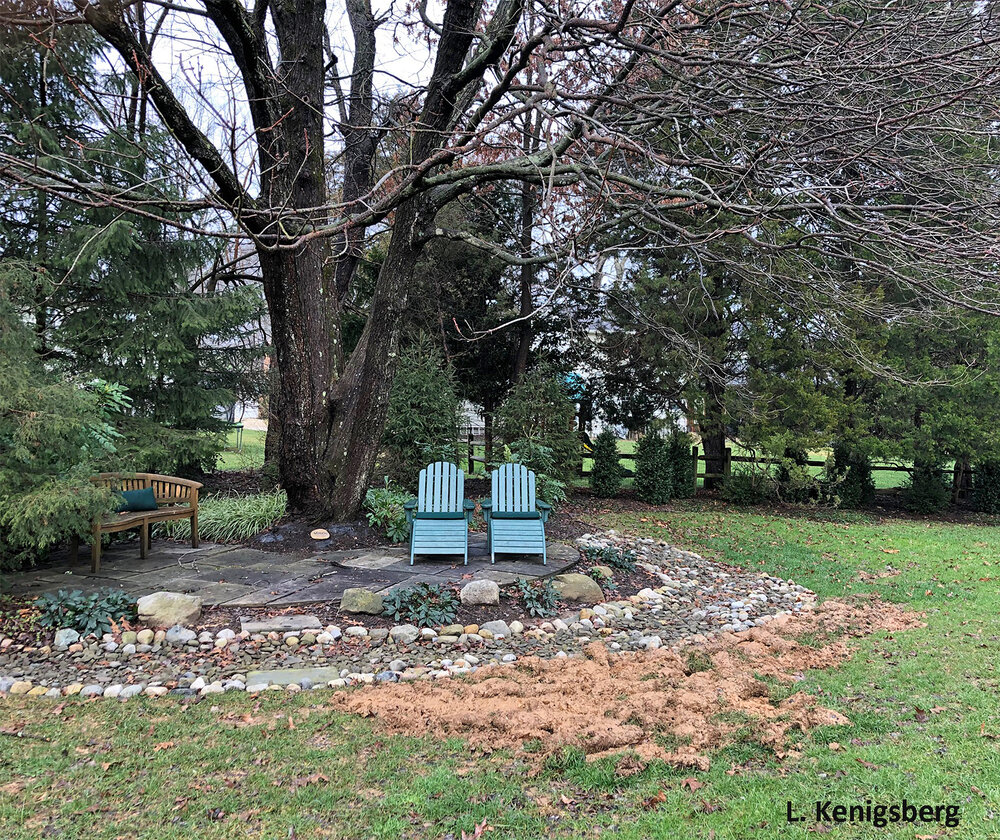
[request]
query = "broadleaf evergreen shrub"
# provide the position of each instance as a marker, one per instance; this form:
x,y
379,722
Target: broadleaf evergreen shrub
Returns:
x,y
87,614
538,597
606,474
654,473
384,509
623,560
426,605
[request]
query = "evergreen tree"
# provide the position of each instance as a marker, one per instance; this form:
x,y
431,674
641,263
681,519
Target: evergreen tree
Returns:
x,y
654,475
422,423
114,297
606,474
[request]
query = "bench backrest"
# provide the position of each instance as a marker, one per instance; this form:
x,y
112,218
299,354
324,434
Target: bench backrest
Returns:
x,y
441,488
167,488
513,489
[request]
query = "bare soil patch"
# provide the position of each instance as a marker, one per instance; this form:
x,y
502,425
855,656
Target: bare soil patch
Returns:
x,y
673,706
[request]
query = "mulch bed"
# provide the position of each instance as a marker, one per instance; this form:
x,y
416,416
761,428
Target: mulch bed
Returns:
x,y
291,536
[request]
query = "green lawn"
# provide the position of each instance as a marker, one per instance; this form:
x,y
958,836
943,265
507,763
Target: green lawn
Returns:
x,y
924,704
251,457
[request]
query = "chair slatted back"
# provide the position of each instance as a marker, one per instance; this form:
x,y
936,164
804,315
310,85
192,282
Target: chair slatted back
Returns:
x,y
441,488
167,489
513,489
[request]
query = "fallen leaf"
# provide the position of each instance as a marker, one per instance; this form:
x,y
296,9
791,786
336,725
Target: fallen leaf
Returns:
x,y
655,801
164,745
890,550
833,746
692,784
867,764
920,715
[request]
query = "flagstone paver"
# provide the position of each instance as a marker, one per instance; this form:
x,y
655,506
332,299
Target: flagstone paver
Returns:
x,y
236,576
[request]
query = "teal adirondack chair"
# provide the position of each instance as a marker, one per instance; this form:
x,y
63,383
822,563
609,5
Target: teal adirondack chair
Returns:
x,y
440,515
515,519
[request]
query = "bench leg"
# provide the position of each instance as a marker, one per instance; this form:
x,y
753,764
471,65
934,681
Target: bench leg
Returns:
x,y
74,548
143,540
95,551
194,530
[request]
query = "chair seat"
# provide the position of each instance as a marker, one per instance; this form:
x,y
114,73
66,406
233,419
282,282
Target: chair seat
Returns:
x,y
169,512
124,519
439,536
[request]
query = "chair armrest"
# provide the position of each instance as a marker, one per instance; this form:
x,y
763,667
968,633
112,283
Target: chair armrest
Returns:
x,y
487,506
544,509
469,507
410,507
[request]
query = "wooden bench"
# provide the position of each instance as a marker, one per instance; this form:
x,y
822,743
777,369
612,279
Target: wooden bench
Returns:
x,y
176,498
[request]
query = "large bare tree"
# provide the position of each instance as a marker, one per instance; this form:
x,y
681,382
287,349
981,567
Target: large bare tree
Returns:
x,y
848,122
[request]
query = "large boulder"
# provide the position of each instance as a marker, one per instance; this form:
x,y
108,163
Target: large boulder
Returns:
x,y
168,609
577,587
478,592
361,601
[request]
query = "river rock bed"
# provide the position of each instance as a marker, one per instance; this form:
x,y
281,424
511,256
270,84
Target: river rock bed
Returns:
x,y
697,598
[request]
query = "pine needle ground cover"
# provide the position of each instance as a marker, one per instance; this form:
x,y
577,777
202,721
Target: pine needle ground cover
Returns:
x,y
922,704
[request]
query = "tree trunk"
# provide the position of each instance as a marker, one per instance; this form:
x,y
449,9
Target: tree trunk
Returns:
x,y
361,397
303,338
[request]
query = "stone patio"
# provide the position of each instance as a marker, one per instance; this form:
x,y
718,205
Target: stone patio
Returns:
x,y
235,576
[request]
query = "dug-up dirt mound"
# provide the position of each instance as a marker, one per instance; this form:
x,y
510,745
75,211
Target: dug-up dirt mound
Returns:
x,y
607,703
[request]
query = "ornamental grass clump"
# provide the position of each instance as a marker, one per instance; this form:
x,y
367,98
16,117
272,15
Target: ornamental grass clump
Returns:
x,y
231,518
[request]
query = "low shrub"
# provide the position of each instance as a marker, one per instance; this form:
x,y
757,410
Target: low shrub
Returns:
x,y
231,518
384,508
537,596
926,491
606,474
623,560
86,614
426,605
986,487
748,487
